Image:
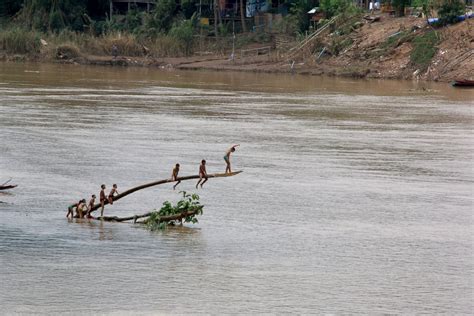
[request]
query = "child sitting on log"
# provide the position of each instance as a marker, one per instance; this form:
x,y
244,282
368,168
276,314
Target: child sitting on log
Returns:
x,y
202,173
174,175
112,194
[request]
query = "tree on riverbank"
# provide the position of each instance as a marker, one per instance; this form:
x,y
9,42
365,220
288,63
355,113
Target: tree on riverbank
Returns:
x,y
162,33
92,15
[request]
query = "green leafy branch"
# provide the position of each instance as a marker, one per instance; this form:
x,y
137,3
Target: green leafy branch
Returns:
x,y
188,207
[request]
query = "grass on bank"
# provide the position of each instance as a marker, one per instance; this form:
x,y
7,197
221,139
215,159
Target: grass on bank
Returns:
x,y
20,41
424,49
177,43
423,46
127,44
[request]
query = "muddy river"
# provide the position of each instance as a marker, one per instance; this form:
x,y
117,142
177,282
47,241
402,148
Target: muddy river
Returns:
x,y
356,196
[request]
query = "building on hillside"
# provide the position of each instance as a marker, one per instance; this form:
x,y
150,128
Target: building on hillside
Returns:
x,y
258,14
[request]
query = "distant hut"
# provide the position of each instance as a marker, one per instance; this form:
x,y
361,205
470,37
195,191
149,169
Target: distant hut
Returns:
x,y
315,15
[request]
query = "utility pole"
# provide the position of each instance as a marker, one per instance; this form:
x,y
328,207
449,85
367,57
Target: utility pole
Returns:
x,y
232,57
215,18
111,8
242,16
200,26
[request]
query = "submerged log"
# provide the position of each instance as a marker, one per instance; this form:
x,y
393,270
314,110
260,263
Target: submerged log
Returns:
x,y
168,218
151,184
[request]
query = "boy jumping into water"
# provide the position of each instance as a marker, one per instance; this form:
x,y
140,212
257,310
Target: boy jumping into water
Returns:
x,y
174,175
102,199
112,194
202,173
227,157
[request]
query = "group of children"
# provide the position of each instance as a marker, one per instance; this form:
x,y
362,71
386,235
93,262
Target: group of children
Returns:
x,y
202,174
202,169
85,210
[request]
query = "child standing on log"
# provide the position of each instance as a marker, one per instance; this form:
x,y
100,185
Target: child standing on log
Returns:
x,y
112,194
227,158
202,173
174,175
102,199
91,205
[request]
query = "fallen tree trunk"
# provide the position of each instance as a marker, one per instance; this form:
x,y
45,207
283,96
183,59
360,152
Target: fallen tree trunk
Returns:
x,y
123,219
168,218
151,184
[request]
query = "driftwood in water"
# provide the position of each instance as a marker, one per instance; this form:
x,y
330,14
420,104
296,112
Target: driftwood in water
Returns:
x,y
168,218
151,184
6,187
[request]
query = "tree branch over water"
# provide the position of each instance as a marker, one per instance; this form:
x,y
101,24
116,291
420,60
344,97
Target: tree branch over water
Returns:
x,y
155,183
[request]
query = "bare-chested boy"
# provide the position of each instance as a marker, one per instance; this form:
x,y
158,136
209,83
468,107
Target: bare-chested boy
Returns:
x,y
102,199
91,205
202,173
112,193
81,207
174,175
227,158
70,209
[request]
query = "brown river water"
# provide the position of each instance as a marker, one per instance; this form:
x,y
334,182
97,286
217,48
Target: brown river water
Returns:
x,y
356,196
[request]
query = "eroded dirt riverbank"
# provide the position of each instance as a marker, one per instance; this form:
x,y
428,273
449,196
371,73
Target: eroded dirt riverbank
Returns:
x,y
369,50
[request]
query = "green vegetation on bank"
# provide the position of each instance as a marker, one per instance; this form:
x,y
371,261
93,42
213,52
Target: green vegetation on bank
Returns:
x,y
72,28
170,29
19,41
423,46
424,49
449,11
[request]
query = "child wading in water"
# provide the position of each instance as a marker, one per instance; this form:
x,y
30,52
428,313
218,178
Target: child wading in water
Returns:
x,y
102,199
174,175
202,173
91,205
227,158
112,194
